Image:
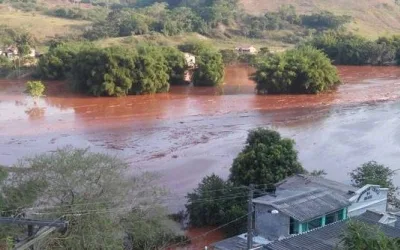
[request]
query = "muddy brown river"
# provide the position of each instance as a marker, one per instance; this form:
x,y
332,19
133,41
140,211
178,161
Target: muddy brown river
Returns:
x,y
193,132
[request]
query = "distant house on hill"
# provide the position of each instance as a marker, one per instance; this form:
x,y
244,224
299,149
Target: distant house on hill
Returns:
x,y
12,52
246,49
190,60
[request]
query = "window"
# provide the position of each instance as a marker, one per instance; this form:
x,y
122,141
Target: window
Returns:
x,y
315,223
336,216
294,226
330,218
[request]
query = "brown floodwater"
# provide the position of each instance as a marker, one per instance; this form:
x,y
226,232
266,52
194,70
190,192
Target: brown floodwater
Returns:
x,y
192,132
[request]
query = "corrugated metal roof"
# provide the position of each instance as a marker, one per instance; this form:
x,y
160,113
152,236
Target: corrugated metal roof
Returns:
x,y
328,237
301,180
305,204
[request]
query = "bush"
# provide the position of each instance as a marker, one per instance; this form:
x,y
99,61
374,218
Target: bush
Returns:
x,y
118,71
209,70
58,62
93,14
229,56
103,72
176,62
324,20
300,71
196,47
215,202
347,49
35,88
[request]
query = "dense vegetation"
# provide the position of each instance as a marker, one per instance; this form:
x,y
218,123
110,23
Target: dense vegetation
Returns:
x,y
113,71
303,70
209,70
266,159
348,49
377,174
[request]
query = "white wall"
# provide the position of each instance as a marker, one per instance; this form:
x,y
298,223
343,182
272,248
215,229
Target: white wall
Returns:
x,y
369,197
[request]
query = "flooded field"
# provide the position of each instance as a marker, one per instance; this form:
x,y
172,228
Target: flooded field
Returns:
x,y
192,132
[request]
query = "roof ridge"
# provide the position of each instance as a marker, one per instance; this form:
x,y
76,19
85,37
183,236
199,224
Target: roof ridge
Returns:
x,y
309,231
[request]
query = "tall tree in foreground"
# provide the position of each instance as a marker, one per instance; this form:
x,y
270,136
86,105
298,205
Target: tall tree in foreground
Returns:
x,y
377,174
91,191
266,159
215,202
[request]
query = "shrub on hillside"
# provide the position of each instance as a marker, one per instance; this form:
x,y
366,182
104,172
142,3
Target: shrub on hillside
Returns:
x,y
325,20
304,70
348,49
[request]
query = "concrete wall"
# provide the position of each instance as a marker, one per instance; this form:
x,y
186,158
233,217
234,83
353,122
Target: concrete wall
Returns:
x,y
369,197
268,225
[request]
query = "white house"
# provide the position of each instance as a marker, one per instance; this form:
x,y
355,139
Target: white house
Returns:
x,y
246,49
190,60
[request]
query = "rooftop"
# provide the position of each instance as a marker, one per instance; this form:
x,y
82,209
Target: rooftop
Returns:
x,y
329,237
307,197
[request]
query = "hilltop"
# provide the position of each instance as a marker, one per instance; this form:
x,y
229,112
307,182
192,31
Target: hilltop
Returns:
x,y
371,18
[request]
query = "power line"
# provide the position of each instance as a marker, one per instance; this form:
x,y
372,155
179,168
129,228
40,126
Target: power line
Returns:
x,y
61,206
236,195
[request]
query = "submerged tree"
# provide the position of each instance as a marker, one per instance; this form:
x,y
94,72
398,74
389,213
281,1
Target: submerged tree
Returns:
x,y
209,70
300,71
35,88
104,72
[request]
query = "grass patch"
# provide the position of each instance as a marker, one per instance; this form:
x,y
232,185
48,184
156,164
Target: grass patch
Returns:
x,y
179,39
42,27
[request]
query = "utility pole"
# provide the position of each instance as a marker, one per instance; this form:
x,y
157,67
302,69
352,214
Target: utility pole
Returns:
x,y
45,228
250,218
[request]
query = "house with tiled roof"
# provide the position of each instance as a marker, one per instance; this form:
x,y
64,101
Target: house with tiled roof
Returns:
x,y
303,203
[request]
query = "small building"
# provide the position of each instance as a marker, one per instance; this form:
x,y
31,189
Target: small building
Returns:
x,y
329,237
12,52
190,60
246,49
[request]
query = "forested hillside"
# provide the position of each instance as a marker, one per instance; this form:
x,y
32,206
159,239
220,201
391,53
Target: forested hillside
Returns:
x,y
371,18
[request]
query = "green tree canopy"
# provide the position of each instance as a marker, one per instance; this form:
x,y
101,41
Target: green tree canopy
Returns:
x,y
215,202
209,70
104,72
266,159
304,70
362,236
376,174
151,74
57,63
35,88
176,62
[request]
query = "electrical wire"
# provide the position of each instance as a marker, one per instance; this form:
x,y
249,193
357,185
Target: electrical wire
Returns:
x,y
112,202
